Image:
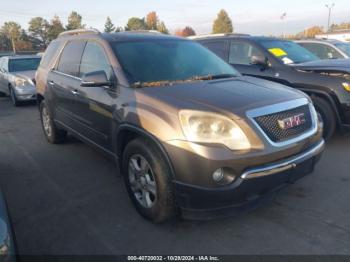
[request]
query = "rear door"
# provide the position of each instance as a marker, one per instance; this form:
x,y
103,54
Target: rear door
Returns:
x,y
63,83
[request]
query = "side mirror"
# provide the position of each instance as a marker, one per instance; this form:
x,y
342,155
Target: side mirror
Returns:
x,y
96,78
259,60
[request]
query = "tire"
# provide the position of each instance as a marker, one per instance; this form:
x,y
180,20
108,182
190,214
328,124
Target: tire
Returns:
x,y
13,97
328,117
52,133
154,179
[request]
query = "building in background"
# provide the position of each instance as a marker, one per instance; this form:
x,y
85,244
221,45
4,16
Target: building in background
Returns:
x,y
342,35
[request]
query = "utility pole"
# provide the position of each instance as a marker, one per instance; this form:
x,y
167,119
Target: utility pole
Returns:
x,y
329,7
282,17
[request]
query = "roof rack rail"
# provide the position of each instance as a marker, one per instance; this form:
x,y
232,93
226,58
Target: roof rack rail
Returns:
x,y
79,32
144,31
216,35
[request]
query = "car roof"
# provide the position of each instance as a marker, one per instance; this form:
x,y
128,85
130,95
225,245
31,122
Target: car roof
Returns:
x,y
137,35
238,36
119,36
329,41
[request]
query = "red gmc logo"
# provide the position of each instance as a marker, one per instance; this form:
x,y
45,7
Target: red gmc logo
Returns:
x,y
292,121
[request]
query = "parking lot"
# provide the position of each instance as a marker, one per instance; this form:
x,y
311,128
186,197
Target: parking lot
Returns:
x,y
68,199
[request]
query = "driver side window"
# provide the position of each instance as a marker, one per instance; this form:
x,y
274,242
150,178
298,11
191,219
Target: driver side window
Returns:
x,y
94,59
242,52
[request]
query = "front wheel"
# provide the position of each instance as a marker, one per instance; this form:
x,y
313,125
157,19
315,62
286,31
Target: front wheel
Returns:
x,y
327,116
148,180
13,96
52,133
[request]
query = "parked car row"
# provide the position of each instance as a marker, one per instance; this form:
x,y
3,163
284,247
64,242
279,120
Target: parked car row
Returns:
x,y
203,128
327,82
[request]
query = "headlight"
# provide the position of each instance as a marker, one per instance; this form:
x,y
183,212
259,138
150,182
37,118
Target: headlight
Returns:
x,y
206,127
346,86
20,81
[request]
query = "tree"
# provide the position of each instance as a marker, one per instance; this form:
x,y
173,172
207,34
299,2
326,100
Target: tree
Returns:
x,y
12,31
119,29
152,21
162,28
342,26
135,23
187,31
74,21
109,26
312,31
39,27
55,28
223,23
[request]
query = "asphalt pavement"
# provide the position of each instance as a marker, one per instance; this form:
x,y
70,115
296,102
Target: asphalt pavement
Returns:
x,y
69,199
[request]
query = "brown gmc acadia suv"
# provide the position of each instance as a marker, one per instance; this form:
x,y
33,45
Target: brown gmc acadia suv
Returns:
x,y
190,134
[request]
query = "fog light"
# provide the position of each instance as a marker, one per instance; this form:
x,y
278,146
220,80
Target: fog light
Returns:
x,y
218,175
346,86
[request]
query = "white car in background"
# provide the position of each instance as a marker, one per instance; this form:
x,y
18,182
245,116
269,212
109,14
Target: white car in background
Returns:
x,y
17,77
327,49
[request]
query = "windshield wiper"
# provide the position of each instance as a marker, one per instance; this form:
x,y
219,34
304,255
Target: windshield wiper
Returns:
x,y
212,77
151,84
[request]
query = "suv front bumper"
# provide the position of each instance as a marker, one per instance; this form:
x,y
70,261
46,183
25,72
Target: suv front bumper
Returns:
x,y
248,190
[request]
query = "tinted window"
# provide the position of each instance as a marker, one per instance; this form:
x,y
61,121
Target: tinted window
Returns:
x,y
345,47
70,58
94,59
242,52
49,53
322,51
218,48
288,52
26,64
168,60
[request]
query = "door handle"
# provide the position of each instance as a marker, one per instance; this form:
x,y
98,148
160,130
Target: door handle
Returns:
x,y
51,83
75,92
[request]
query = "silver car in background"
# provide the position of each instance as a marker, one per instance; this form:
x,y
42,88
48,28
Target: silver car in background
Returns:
x,y
17,75
327,49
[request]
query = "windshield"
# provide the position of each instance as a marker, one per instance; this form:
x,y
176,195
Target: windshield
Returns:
x,y
169,61
288,52
25,64
345,47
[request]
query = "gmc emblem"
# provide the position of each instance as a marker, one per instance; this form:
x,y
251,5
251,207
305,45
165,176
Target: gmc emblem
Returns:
x,y
292,121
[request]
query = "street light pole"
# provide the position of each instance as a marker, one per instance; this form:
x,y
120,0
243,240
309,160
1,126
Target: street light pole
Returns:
x,y
329,7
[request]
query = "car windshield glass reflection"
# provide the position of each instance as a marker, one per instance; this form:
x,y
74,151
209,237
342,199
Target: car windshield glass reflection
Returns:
x,y
153,63
288,52
27,64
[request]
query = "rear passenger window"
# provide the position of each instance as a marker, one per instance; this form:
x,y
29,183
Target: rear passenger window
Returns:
x,y
242,52
70,58
218,47
94,59
49,53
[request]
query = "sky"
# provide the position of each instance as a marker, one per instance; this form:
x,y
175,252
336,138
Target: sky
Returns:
x,y
250,16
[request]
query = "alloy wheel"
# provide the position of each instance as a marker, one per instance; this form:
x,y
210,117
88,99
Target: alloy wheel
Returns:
x,y
142,181
46,121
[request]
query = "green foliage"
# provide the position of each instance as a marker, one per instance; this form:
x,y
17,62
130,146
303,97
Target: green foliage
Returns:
x,y
38,28
162,28
74,21
55,28
109,26
223,23
135,23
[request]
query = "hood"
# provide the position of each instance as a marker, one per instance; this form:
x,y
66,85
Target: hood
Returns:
x,y
327,65
30,75
234,95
